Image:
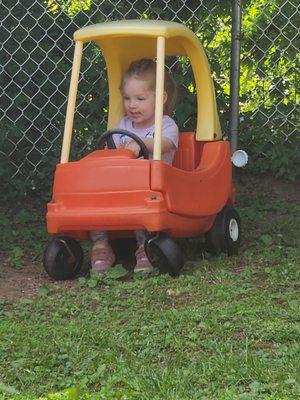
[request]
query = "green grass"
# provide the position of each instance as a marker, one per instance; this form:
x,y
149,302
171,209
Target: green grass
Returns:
x,y
227,328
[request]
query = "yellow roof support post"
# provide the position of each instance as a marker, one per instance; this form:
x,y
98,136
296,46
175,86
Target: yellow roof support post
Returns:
x,y
65,152
159,105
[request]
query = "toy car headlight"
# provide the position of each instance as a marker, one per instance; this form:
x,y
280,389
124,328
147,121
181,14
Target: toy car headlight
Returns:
x,y
239,158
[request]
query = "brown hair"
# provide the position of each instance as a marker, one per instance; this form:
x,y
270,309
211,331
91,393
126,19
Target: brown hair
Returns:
x,y
145,69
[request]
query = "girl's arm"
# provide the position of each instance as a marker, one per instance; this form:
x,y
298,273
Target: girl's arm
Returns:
x,y
166,145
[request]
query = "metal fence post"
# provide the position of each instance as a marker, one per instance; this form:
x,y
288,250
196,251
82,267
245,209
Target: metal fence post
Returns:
x,y
235,72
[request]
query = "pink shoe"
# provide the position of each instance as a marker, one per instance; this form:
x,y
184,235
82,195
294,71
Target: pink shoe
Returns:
x,y
103,257
142,262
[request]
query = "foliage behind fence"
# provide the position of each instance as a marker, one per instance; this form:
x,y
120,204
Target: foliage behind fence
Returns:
x,y
36,54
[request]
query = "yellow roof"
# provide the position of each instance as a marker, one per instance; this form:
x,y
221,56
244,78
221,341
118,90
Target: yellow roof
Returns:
x,y
129,28
125,41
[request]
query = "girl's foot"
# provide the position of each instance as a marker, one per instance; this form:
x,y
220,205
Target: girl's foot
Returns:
x,y
103,257
142,262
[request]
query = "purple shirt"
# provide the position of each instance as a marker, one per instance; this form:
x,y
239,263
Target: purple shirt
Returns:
x,y
169,130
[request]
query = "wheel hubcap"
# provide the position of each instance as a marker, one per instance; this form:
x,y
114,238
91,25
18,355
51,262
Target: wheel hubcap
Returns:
x,y
233,230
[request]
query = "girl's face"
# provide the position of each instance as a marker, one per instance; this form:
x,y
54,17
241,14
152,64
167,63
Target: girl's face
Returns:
x,y
139,102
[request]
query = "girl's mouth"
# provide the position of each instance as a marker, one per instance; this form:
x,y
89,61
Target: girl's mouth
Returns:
x,y
134,115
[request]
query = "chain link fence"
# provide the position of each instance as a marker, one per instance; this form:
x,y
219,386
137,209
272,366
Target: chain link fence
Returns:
x,y
269,81
37,50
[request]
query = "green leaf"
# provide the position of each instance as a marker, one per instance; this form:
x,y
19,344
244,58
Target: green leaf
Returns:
x,y
92,283
26,301
267,239
43,291
117,272
290,381
7,389
82,282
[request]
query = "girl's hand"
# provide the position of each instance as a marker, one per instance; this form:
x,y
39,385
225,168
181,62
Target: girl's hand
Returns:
x,y
134,147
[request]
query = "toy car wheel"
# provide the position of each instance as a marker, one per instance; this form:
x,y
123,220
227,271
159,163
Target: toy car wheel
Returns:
x,y
164,254
225,234
63,258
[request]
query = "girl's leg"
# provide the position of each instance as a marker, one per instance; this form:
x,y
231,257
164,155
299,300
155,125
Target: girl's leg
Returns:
x,y
102,254
142,261
140,237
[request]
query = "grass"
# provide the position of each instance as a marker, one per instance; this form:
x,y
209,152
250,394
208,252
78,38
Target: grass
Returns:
x,y
227,328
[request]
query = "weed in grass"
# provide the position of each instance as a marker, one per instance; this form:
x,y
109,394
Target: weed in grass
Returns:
x,y
16,257
22,235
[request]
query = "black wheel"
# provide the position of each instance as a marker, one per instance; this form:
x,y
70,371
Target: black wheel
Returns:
x,y
225,234
107,137
63,258
164,254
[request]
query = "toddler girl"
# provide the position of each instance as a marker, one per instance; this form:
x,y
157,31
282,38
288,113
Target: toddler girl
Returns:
x,y
138,92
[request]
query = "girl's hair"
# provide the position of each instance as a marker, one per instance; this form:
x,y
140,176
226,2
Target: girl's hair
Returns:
x,y
145,69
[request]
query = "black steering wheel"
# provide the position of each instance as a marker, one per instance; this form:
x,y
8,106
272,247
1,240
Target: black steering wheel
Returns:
x,y
107,137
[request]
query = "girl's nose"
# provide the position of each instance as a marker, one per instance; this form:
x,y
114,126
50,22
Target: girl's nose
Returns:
x,y
132,104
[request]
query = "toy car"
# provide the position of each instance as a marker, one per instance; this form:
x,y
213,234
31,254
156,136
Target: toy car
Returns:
x,y
110,190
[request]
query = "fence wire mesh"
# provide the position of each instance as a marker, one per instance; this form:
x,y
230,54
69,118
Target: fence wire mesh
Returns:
x,y
36,56
270,67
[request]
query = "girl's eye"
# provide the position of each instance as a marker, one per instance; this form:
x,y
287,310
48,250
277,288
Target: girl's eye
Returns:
x,y
141,98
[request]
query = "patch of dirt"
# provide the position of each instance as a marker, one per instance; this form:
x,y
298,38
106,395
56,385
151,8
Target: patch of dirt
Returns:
x,y
16,284
19,283
268,187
